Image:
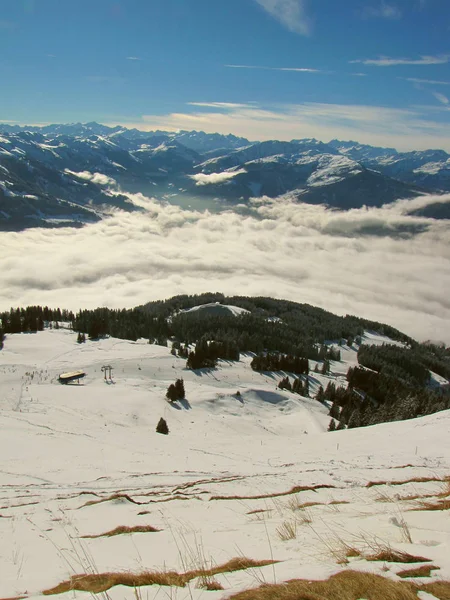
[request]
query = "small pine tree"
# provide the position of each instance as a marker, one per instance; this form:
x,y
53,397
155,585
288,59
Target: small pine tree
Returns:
x,y
320,396
332,425
162,427
172,393
325,367
179,387
340,426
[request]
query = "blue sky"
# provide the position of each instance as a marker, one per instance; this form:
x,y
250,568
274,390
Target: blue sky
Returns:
x,y
373,70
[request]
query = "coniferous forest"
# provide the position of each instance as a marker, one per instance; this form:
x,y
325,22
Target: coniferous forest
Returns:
x,y
391,382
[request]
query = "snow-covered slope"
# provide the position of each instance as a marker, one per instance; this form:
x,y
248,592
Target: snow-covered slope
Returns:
x,y
216,308
234,473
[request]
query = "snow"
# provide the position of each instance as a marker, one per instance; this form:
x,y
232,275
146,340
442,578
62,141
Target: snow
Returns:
x,y
216,308
332,169
433,168
65,446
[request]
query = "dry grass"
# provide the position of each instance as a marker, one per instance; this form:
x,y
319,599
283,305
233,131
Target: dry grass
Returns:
x,y
258,511
287,531
439,505
423,571
210,585
294,504
124,529
347,585
389,555
295,490
111,498
440,589
101,582
405,481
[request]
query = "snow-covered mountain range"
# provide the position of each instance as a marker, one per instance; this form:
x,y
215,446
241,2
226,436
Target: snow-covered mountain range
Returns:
x,y
61,174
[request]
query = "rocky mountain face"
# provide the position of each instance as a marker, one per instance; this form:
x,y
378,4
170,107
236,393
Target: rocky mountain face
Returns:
x,y
72,174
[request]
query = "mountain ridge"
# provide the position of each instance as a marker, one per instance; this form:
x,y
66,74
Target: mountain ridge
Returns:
x,y
77,173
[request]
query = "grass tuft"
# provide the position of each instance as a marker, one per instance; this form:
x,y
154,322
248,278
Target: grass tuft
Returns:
x,y
124,529
287,531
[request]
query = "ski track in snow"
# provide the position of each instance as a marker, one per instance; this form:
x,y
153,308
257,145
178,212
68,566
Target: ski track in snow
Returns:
x,y
219,485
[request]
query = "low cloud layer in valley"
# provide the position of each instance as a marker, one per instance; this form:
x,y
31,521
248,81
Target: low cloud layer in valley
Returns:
x,y
377,263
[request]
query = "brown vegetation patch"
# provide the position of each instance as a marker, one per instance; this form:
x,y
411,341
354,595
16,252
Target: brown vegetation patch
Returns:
x,y
124,529
413,480
258,511
423,571
101,582
295,490
396,556
439,505
347,585
440,589
211,586
111,498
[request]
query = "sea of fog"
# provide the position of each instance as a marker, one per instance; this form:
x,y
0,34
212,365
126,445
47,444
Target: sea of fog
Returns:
x,y
380,263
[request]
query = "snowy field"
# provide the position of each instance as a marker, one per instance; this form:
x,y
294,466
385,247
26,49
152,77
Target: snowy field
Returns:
x,y
254,475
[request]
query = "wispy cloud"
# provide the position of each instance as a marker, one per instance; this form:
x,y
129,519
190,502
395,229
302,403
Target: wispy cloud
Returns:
x,y
425,81
441,98
224,105
290,13
296,69
413,128
386,61
382,11
133,58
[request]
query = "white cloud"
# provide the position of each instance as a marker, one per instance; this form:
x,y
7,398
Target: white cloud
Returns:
x,y
98,178
278,248
295,69
224,105
386,61
441,98
425,81
211,178
383,10
133,58
405,129
290,13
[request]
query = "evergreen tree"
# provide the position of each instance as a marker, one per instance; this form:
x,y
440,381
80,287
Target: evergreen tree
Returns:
x,y
332,425
162,427
172,393
179,388
320,395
